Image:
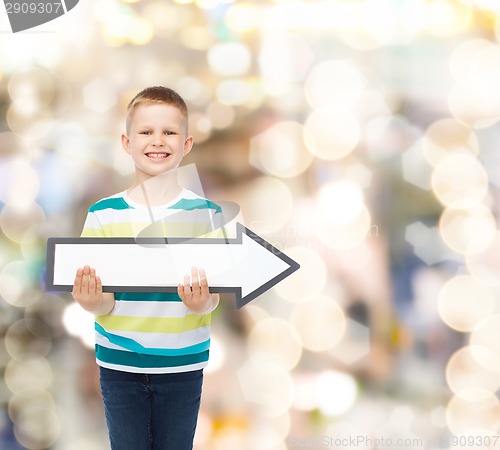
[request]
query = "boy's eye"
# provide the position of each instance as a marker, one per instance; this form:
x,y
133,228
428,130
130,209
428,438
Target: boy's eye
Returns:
x,y
169,133
145,132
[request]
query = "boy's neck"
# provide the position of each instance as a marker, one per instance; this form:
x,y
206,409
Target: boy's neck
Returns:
x,y
155,191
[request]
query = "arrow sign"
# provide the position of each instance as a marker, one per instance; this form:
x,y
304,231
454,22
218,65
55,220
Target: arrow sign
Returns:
x,y
246,265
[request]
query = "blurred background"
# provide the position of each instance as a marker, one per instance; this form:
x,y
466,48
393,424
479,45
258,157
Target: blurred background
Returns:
x,y
361,137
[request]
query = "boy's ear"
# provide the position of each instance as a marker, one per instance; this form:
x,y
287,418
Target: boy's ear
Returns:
x,y
188,145
126,143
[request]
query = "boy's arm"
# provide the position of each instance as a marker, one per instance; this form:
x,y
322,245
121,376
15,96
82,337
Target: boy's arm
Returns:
x,y
196,295
87,291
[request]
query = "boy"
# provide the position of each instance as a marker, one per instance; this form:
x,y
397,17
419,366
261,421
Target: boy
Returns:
x,y
151,347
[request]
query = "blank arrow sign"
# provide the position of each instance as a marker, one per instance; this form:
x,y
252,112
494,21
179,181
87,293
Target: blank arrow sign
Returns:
x,y
247,265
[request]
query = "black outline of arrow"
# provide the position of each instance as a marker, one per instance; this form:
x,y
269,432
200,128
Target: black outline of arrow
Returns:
x,y
162,241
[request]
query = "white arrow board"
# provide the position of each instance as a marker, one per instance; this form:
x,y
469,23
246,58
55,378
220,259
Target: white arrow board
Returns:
x,y
247,265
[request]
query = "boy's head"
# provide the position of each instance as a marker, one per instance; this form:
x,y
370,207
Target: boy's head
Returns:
x,y
157,95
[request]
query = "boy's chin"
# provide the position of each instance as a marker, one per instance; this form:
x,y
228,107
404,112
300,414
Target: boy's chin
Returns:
x,y
149,174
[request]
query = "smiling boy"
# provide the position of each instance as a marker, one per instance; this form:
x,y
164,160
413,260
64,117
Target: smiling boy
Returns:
x,y
152,347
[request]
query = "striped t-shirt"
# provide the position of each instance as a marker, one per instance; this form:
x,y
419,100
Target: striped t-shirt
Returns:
x,y
152,332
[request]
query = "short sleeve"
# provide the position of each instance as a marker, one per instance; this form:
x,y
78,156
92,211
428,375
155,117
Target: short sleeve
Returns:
x,y
92,226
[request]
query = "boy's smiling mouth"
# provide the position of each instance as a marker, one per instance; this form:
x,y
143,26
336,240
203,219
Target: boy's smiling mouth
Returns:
x,y
157,155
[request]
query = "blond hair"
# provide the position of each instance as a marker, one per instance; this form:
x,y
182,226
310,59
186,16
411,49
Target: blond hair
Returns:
x,y
157,95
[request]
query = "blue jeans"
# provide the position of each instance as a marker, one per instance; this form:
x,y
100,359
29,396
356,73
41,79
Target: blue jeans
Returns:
x,y
151,411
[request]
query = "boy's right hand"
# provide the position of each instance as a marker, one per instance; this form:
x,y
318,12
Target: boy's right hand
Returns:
x,y
87,291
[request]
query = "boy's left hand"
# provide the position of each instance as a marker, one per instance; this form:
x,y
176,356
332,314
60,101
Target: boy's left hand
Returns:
x,y
196,295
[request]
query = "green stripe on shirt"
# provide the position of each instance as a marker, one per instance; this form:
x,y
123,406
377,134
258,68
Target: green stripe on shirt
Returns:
x,y
148,296
123,358
188,204
134,346
110,203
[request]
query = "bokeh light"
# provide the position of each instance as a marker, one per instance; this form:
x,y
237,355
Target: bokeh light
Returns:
x,y
279,426
313,391
20,182
283,60
355,343
446,18
200,127
217,355
474,98
99,95
243,16
334,83
467,231
305,398
307,283
31,90
371,25
336,392
328,319
16,278
221,116
30,370
459,181
30,126
79,323
468,416
281,150
387,135
230,59
464,302
16,219
28,336
341,201
485,265
468,379
195,37
333,132
486,335
268,204
193,89
237,92
347,219
445,136
36,422
275,341
462,55
269,386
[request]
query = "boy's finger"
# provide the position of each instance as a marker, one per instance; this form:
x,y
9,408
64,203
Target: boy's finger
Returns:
x,y
194,277
180,291
187,287
85,280
203,278
204,284
92,284
98,284
77,285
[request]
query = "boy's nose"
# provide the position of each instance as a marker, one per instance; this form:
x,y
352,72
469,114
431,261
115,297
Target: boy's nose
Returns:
x,y
158,141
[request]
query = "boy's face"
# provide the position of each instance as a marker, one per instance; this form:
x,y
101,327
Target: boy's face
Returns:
x,y
156,140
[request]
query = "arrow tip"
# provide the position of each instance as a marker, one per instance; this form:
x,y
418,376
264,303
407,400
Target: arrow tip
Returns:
x,y
291,264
